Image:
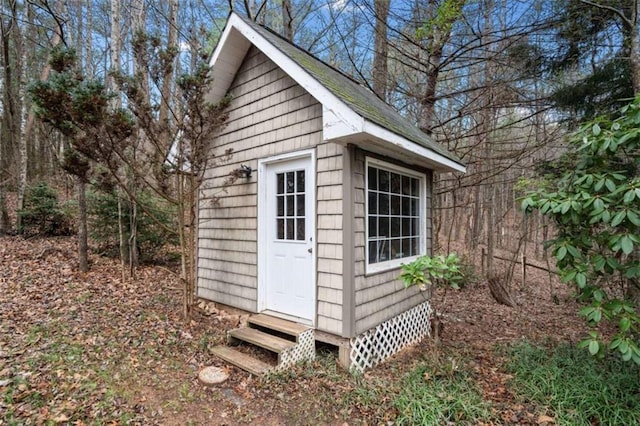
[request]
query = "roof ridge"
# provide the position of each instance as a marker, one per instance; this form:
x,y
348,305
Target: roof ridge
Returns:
x,y
350,92
311,55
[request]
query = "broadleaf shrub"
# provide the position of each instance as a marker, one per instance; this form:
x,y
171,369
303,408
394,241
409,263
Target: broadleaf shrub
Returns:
x,y
596,209
438,270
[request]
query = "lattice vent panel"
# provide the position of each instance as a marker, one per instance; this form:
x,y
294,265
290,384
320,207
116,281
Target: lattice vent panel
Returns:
x,y
375,345
304,350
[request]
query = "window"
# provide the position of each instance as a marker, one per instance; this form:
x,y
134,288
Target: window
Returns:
x,y
290,205
395,213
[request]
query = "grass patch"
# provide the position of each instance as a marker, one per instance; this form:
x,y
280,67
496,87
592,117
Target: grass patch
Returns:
x,y
440,392
579,389
435,390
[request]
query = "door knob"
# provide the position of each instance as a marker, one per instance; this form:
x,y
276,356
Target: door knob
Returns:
x,y
310,250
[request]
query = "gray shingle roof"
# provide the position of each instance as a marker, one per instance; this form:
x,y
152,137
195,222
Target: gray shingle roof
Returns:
x,y
356,96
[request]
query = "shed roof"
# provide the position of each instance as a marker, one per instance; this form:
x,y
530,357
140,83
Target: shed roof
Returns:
x,y
351,112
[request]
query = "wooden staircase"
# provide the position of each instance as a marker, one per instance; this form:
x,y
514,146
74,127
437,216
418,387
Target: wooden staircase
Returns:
x,y
291,342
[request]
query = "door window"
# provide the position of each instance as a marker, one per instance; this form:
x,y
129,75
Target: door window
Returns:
x,y
290,206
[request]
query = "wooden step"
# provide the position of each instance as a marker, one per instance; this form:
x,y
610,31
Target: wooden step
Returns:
x,y
259,338
241,360
278,324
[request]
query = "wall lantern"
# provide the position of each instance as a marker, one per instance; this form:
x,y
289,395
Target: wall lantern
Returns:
x,y
244,171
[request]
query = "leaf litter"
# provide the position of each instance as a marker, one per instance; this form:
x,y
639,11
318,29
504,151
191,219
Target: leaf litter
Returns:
x,y
87,348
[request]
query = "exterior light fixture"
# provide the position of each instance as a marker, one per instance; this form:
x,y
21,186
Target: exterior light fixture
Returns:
x,y
244,171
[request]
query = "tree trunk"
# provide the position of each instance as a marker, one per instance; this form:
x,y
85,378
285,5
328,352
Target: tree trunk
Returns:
x,y
122,246
133,241
499,291
428,102
88,49
381,50
634,57
29,116
83,246
115,47
442,16
6,127
287,20
167,77
19,109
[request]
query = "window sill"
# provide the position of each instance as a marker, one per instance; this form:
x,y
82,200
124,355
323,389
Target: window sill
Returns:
x,y
389,265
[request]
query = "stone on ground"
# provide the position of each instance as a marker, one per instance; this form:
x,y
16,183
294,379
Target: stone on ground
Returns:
x,y
212,375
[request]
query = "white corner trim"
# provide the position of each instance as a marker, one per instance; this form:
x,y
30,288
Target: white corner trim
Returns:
x,y
406,145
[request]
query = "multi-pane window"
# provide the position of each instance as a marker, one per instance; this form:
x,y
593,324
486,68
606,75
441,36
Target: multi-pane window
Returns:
x,y
290,205
394,214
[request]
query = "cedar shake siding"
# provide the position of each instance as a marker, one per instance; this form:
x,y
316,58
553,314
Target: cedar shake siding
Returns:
x,y
269,114
329,237
379,296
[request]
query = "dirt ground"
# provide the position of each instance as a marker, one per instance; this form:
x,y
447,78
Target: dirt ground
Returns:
x,y
90,349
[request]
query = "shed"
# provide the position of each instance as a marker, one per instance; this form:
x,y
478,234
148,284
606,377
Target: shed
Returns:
x,y
338,197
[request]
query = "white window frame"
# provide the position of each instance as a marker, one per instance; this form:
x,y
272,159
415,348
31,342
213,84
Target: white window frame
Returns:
x,y
372,268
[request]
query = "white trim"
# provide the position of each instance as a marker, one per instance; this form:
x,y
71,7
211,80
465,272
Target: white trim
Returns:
x,y
394,263
262,229
339,119
342,111
291,318
412,147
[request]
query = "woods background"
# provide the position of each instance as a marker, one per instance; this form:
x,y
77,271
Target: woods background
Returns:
x,y
498,82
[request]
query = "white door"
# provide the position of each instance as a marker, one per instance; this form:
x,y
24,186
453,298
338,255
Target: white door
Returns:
x,y
288,223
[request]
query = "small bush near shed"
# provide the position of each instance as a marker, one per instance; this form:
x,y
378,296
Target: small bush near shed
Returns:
x,y
155,220
43,214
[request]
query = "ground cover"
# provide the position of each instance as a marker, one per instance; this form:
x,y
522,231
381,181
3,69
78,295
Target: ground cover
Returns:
x,y
89,349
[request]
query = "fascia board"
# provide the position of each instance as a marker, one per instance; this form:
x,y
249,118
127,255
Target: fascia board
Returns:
x,y
406,145
340,116
226,60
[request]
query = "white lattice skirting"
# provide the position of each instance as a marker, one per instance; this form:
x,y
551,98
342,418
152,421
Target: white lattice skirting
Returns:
x,y
375,345
304,350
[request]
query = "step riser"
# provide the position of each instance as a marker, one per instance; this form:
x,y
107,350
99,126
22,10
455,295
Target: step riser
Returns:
x,y
240,360
258,338
267,322
261,331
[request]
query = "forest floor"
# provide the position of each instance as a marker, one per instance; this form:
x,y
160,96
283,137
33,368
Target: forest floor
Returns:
x,y
87,348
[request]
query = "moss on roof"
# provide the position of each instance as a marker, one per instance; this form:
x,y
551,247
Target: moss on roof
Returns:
x,y
356,96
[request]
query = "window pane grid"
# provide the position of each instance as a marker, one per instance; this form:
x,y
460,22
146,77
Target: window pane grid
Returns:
x,y
290,205
393,201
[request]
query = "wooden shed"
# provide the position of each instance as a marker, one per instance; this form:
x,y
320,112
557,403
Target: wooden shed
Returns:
x,y
338,197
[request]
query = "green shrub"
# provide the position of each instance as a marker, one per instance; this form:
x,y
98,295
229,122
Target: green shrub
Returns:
x,y
153,227
42,213
579,389
438,270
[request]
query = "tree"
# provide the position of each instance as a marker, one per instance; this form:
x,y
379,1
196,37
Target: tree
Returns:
x,y
12,64
80,110
102,135
433,36
596,209
381,50
596,54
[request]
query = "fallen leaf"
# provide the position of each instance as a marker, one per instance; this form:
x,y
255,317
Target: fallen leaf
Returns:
x,y
61,418
543,419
